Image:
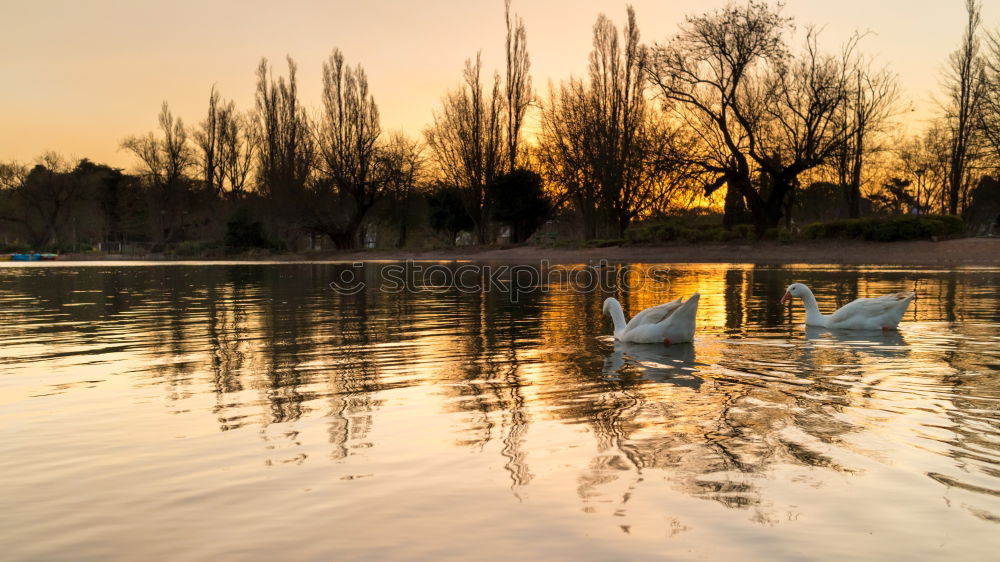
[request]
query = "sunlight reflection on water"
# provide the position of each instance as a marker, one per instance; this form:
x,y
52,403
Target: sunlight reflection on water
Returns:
x,y
249,411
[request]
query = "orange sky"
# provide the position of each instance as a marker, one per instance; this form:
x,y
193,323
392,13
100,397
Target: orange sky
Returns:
x,y
80,76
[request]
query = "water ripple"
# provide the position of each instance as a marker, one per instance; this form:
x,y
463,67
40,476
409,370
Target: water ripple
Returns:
x,y
153,408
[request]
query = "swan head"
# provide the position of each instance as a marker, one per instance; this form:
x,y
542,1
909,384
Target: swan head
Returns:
x,y
607,304
794,291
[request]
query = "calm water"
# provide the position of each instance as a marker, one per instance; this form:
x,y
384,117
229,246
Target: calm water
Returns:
x,y
252,412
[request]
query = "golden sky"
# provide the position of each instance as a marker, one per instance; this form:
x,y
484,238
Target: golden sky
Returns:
x,y
79,76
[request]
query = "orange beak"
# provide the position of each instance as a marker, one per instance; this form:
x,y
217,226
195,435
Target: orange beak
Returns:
x,y
785,298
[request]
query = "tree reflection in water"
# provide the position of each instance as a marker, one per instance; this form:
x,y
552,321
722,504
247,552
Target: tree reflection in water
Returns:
x,y
755,394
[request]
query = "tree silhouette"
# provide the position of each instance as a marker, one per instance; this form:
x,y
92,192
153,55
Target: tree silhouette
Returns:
x,y
467,141
761,111
519,201
599,141
348,147
285,152
965,85
447,211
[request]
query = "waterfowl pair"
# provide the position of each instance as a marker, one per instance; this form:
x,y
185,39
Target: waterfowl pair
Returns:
x,y
674,322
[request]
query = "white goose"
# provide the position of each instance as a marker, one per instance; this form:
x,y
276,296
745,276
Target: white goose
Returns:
x,y
668,323
879,313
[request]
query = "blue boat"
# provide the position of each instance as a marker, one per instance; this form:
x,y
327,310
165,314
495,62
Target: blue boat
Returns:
x,y
33,257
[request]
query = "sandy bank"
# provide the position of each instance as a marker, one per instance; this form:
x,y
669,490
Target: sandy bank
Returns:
x,y
964,251
959,252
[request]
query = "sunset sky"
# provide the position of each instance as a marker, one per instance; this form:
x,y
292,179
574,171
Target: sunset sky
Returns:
x,y
80,76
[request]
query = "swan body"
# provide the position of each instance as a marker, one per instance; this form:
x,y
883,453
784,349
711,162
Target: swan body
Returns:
x,y
668,323
879,313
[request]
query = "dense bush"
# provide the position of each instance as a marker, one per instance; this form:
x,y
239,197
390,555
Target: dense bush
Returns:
x,y
194,248
602,243
519,201
13,247
785,235
878,229
447,211
242,232
954,225
744,232
659,232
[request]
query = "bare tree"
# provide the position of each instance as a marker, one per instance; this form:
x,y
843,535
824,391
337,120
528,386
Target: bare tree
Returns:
x,y
925,158
599,142
873,96
177,154
517,87
467,141
965,85
989,116
12,175
765,116
703,74
237,145
618,96
149,151
226,141
400,170
476,136
348,143
798,129
53,205
165,160
44,198
285,151
208,137
563,152
676,173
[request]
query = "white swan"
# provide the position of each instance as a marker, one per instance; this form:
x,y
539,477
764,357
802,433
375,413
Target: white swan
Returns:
x,y
880,313
668,323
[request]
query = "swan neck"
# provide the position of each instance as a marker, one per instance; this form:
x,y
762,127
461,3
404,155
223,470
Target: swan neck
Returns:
x,y
617,316
813,315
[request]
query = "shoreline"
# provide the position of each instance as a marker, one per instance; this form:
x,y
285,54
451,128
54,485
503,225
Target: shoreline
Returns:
x,y
955,252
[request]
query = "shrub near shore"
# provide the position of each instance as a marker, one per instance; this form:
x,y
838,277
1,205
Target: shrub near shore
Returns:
x,y
877,229
676,232
887,229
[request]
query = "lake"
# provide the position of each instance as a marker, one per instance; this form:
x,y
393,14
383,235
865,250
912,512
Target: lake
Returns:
x,y
398,411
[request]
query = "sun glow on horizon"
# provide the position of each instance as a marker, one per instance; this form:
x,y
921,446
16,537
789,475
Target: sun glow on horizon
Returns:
x,y
81,77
